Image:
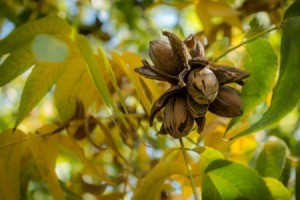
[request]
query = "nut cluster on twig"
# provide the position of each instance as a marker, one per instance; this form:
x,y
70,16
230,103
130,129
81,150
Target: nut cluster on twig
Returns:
x,y
197,85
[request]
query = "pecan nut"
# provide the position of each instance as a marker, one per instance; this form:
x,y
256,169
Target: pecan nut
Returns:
x,y
162,56
228,103
177,122
202,85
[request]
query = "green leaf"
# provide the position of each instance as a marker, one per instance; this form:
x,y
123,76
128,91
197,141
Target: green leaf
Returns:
x,y
259,23
103,59
278,191
271,159
7,12
285,93
297,184
226,180
208,155
260,58
292,11
128,67
10,160
26,32
151,186
38,83
47,48
16,64
96,74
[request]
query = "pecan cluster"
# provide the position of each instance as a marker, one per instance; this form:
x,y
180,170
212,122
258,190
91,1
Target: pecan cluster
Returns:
x,y
197,85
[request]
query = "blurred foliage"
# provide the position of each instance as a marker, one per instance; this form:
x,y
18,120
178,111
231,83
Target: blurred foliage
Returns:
x,y
79,112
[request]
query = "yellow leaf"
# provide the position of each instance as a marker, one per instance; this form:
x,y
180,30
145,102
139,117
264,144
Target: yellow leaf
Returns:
x,y
71,142
207,9
213,135
218,8
167,155
134,61
187,191
134,78
143,158
151,185
10,157
112,196
75,82
244,146
103,60
237,158
204,16
44,150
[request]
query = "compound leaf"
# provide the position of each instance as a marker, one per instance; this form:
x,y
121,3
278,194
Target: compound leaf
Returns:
x,y
285,94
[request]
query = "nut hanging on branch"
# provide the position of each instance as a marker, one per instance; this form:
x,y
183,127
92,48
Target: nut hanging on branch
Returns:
x,y
197,84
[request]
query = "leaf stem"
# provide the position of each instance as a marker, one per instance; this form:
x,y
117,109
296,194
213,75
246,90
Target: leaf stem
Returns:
x,y
189,169
247,41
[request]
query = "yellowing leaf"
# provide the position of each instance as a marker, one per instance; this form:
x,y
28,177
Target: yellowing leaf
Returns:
x,y
10,160
151,185
96,74
133,60
218,48
47,48
213,136
15,64
44,150
26,32
104,61
277,189
208,155
39,82
74,82
134,78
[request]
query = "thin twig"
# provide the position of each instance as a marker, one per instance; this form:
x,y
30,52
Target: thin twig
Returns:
x,y
189,169
246,41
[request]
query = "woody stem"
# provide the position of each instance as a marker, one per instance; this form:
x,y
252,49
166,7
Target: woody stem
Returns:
x,y
246,41
189,169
